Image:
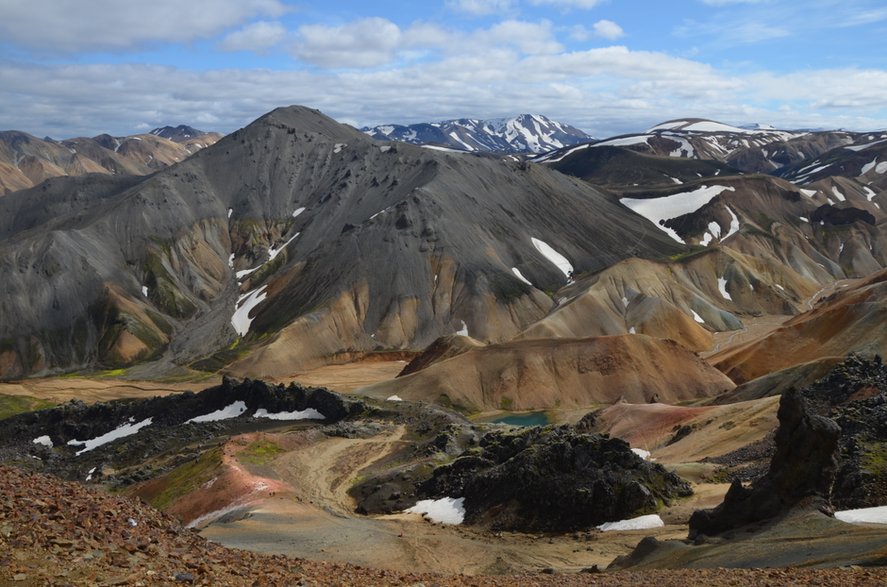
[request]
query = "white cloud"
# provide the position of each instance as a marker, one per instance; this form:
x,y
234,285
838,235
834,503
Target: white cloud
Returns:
x,y
567,4
368,42
528,37
608,29
70,26
605,91
480,7
257,36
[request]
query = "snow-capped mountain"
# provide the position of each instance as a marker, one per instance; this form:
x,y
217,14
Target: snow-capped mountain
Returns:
x,y
762,149
525,133
179,134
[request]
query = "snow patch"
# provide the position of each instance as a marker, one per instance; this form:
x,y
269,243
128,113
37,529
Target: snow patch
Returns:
x,y
658,210
298,211
241,320
145,290
808,193
45,440
862,147
446,510
272,252
697,317
875,515
644,454
520,276
226,413
554,257
230,212
122,431
881,168
394,398
734,223
722,287
804,219
640,523
306,414
337,148
464,330
839,194
869,166
624,141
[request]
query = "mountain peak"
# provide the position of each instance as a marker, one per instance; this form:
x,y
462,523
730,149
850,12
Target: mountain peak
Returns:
x,y
177,133
524,133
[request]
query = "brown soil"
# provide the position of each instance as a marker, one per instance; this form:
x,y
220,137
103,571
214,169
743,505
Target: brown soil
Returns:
x,y
844,317
715,430
348,377
99,389
562,373
58,533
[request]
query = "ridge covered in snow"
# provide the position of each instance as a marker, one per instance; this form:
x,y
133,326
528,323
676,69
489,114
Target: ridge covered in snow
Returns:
x,y
525,133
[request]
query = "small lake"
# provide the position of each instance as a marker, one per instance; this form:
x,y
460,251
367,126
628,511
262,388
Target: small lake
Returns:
x,y
530,419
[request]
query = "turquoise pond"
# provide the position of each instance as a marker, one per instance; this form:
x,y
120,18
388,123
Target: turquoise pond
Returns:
x,y
531,419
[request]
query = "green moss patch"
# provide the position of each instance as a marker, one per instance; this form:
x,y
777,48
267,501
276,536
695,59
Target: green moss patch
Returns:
x,y
260,452
186,478
10,405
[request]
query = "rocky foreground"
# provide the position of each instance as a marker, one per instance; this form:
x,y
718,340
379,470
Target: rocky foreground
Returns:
x,y
62,533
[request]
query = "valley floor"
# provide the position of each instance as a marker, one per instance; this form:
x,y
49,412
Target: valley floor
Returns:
x,y
58,533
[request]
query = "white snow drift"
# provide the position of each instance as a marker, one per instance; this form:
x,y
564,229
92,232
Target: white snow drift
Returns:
x,y
123,431
446,510
658,210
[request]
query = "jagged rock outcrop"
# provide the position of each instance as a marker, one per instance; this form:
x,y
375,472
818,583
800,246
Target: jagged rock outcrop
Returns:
x,y
854,394
136,430
553,479
803,468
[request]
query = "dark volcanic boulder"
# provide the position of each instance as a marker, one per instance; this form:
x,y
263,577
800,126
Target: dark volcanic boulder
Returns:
x,y
553,479
803,468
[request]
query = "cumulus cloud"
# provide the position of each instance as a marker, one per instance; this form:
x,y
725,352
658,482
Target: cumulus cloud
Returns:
x,y
608,29
67,26
480,7
606,91
258,36
367,42
567,4
528,37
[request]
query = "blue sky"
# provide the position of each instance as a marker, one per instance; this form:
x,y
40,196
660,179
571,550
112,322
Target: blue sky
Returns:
x,y
608,66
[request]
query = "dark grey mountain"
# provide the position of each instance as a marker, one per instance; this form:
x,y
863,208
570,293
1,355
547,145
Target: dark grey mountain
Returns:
x,y
180,133
291,242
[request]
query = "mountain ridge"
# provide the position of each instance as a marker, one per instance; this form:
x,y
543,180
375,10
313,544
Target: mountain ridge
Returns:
x,y
525,133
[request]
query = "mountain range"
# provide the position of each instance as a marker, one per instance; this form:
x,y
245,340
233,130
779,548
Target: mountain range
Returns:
x,y
26,161
526,133
651,294
298,241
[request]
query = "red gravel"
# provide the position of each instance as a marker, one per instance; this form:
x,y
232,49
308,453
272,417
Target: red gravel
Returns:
x,y
61,533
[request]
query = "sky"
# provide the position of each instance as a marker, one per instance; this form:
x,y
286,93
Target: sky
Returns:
x,y
70,68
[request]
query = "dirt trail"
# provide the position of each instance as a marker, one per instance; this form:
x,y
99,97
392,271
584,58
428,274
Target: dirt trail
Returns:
x,y
322,472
